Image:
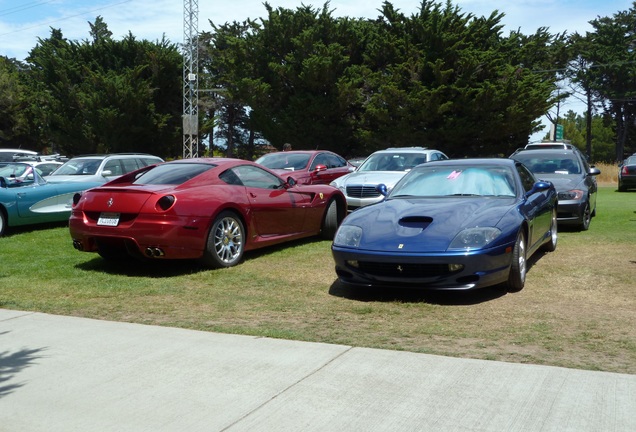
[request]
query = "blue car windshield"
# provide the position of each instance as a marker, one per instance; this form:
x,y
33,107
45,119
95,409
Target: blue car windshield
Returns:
x,y
171,174
461,180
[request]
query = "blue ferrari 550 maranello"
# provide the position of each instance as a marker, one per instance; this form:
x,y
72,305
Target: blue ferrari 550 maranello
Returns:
x,y
27,199
452,224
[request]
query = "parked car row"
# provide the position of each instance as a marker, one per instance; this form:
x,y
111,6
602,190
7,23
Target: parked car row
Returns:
x,y
405,217
36,189
27,199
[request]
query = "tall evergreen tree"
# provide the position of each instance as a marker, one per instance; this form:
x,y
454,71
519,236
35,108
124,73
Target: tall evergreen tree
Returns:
x,y
610,56
104,95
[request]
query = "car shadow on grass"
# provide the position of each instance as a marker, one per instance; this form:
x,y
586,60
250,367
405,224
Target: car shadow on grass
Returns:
x,y
423,295
414,295
154,269
24,229
164,268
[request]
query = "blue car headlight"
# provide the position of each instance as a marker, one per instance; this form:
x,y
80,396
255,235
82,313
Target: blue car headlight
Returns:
x,y
474,238
348,236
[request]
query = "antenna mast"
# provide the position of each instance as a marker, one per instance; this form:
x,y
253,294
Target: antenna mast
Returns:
x,y
190,79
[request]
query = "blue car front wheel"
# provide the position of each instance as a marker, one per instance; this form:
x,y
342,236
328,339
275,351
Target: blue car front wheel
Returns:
x,y
517,277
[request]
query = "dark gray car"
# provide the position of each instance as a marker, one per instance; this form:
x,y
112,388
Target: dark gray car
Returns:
x,y
573,178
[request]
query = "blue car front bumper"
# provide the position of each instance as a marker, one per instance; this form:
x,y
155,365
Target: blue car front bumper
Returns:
x,y
456,270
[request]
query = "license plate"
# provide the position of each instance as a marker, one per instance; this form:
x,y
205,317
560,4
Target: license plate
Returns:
x,y
108,219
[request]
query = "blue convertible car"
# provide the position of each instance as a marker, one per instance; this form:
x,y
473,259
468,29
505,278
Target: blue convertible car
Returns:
x,y
454,224
26,198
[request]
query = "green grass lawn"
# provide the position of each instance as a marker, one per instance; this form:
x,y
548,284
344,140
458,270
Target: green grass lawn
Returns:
x,y
578,308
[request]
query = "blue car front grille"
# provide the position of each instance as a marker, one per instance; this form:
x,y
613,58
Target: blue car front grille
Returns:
x,y
403,270
362,192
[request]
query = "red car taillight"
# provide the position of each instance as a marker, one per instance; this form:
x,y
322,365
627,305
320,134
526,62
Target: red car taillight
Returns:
x,y
76,198
624,170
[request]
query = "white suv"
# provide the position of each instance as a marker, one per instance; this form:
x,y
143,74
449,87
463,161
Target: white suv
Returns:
x,y
101,168
382,167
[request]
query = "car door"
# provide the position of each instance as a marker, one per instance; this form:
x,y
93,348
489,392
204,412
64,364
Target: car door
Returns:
x,y
537,208
31,192
336,167
276,209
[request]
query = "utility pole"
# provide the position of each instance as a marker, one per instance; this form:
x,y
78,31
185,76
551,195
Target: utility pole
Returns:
x,y
190,79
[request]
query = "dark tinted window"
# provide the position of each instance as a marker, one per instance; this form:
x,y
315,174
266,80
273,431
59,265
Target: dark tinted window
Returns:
x,y
130,165
230,178
320,159
114,166
335,161
172,174
252,176
527,179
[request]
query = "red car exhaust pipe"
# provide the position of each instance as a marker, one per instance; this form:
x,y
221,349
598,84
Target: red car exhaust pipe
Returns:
x,y
154,252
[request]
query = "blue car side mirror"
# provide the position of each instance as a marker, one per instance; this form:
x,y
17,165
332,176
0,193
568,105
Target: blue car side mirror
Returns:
x,y
382,189
539,186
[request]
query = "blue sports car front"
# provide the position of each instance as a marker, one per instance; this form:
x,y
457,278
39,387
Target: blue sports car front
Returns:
x,y
449,225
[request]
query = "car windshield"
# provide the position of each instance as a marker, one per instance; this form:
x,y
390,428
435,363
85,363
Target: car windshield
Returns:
x,y
550,164
13,170
285,160
545,146
392,161
457,180
171,174
631,160
84,166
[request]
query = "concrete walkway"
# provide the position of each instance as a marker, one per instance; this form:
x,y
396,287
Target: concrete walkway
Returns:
x,y
73,374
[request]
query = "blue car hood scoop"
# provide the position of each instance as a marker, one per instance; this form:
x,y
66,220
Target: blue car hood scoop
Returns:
x,y
412,225
423,225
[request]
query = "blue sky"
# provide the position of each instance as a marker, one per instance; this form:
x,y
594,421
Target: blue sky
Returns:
x,y
23,22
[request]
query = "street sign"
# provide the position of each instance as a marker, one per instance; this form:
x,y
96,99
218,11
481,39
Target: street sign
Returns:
x,y
559,132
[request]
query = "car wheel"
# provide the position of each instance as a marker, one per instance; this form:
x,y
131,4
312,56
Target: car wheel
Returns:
x,y
621,188
517,276
586,218
226,241
552,244
3,223
330,221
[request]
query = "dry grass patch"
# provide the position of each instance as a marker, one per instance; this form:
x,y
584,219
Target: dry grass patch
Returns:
x,y
577,309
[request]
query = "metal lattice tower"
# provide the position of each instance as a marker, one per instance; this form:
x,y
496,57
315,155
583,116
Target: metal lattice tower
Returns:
x,y
190,78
